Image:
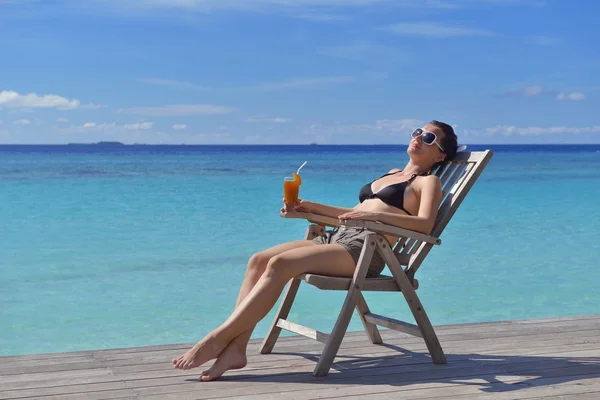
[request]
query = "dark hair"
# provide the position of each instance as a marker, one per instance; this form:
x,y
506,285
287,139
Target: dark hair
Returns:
x,y
449,143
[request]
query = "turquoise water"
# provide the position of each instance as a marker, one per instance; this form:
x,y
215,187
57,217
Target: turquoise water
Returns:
x,y
143,245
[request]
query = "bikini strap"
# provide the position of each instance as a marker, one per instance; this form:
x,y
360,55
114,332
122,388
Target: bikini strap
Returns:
x,y
413,176
389,173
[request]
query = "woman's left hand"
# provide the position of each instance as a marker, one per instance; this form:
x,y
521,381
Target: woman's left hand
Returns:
x,y
364,215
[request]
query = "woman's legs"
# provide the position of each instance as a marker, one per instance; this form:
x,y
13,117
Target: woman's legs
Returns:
x,y
327,259
234,356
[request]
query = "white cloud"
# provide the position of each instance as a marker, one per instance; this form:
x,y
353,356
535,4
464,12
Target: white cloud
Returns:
x,y
380,127
276,120
538,90
575,96
127,133
22,122
12,99
532,91
62,119
508,130
434,30
179,126
175,110
151,137
139,126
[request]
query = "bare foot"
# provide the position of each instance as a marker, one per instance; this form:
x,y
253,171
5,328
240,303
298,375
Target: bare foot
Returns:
x,y
205,350
231,358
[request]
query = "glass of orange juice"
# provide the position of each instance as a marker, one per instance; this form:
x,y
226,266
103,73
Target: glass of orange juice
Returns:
x,y
291,188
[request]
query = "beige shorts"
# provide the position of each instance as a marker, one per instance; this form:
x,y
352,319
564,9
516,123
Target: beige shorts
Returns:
x,y
352,239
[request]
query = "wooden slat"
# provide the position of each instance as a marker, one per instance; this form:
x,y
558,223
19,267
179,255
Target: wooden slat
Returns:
x,y
303,330
382,283
362,309
381,369
549,358
341,324
394,324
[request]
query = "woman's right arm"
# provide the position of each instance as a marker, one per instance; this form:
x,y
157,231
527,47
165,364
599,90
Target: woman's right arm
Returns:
x,y
318,208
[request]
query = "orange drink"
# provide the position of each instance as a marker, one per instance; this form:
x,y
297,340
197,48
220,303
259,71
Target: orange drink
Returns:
x,y
291,188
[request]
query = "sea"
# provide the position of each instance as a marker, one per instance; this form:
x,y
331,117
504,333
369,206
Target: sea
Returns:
x,y
108,246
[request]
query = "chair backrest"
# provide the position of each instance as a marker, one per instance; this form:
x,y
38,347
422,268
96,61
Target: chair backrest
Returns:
x,y
458,177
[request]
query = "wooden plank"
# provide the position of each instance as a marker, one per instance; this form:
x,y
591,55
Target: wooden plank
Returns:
x,y
437,382
281,360
362,309
324,282
414,303
474,333
394,324
386,380
341,324
157,358
577,322
282,313
37,381
303,330
518,325
251,380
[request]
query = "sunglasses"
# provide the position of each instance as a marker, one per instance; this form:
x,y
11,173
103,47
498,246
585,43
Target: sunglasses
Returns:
x,y
429,138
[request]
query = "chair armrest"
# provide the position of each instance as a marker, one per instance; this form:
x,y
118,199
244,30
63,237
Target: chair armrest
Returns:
x,y
370,225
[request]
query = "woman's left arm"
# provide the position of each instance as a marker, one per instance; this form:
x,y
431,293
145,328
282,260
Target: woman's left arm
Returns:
x,y
431,196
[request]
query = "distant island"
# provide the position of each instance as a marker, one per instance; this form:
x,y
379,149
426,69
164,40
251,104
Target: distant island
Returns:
x,y
103,144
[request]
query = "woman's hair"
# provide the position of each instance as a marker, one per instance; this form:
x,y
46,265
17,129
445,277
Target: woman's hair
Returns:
x,y
449,143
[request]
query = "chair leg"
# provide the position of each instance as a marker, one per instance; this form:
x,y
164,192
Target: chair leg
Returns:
x,y
312,231
282,313
341,325
414,303
371,329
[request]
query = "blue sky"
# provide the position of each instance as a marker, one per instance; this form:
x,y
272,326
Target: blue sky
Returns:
x,y
298,71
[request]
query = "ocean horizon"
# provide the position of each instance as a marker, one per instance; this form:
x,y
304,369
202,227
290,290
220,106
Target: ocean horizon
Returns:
x,y
136,245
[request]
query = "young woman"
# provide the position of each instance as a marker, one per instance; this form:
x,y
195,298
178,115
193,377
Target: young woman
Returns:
x,y
407,197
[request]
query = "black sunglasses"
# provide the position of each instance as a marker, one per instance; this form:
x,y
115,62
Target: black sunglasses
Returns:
x,y
429,138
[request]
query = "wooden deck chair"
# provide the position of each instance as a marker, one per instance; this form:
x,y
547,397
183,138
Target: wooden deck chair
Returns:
x,y
458,176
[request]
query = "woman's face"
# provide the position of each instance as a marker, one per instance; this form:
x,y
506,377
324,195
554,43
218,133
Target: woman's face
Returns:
x,y
424,153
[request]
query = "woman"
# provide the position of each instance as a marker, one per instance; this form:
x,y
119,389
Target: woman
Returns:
x,y
408,198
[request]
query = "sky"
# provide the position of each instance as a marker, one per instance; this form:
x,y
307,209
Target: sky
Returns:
x,y
298,71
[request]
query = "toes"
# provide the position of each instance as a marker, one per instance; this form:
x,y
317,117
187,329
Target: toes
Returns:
x,y
177,361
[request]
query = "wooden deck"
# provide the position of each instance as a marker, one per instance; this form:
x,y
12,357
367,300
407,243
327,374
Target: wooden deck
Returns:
x,y
530,359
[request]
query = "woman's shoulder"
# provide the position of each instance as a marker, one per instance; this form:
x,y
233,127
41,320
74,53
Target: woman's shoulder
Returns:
x,y
430,180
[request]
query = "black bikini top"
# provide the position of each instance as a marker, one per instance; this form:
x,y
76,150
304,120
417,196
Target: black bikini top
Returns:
x,y
392,194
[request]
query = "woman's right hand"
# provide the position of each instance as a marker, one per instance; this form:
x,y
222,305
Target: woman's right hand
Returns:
x,y
299,206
